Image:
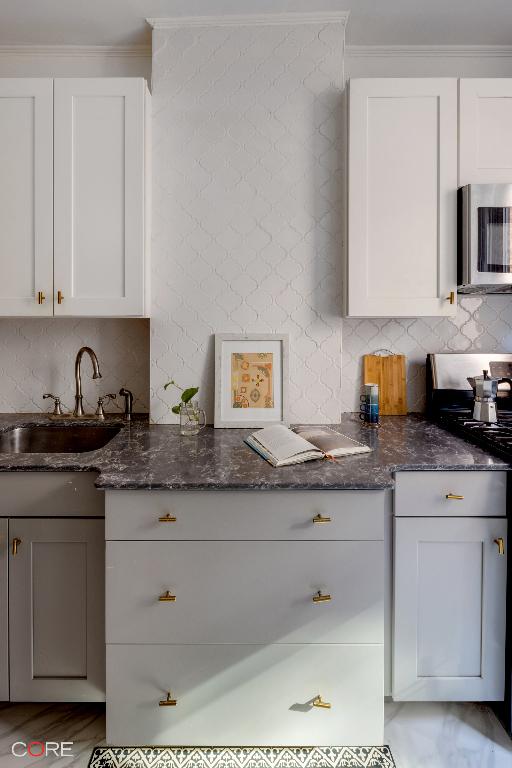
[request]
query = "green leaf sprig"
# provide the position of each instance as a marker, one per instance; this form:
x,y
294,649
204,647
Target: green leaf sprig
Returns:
x,y
186,394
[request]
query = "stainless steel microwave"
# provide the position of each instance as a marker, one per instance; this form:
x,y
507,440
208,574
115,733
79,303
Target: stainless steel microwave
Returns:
x,y
485,238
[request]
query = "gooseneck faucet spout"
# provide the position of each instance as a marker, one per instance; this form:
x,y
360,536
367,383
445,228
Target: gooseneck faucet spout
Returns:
x,y
79,410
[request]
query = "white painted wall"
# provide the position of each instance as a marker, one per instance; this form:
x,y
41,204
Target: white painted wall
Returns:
x,y
37,355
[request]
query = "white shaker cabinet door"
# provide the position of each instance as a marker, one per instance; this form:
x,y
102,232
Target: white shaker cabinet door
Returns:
x,y
99,196
4,611
26,196
56,591
449,620
402,162
485,116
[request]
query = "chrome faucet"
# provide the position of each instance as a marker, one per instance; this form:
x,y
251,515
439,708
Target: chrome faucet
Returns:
x,y
79,411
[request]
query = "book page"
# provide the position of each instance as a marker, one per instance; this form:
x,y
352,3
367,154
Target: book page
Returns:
x,y
331,442
281,442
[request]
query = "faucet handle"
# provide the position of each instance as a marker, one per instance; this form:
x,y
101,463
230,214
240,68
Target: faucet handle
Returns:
x,y
57,409
105,398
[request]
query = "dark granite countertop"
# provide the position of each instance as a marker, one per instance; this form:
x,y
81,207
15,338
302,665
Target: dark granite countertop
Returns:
x,y
156,457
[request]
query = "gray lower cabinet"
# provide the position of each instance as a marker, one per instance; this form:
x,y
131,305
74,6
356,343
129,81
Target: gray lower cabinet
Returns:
x,y
4,610
450,571
251,617
56,610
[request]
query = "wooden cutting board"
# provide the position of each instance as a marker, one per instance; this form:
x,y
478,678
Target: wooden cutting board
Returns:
x,y
388,371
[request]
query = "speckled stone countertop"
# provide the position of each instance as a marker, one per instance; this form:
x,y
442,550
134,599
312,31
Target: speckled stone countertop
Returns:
x,y
156,457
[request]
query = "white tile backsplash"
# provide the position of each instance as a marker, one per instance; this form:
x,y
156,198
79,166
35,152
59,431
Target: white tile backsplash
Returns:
x,y
38,356
247,161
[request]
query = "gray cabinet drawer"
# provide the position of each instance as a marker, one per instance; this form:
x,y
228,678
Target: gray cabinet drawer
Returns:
x,y
245,515
236,695
430,494
245,592
50,494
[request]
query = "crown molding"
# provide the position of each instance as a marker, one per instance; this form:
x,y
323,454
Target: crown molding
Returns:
x,y
244,20
429,51
81,51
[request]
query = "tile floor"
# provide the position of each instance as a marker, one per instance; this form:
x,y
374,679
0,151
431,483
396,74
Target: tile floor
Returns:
x,y
420,735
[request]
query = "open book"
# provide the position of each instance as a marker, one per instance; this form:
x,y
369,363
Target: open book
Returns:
x,y
281,446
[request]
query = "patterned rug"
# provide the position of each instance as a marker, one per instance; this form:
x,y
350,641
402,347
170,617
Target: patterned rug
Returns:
x,y
241,757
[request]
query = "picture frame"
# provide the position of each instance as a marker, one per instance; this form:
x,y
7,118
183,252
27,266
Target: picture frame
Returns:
x,y
251,379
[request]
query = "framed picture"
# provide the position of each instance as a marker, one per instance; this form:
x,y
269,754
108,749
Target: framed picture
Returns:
x,y
251,379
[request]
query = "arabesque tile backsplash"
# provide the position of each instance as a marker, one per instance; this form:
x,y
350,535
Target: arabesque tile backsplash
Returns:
x,y
482,323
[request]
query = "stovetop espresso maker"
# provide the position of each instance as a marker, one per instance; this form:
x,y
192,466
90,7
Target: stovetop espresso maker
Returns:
x,y
486,392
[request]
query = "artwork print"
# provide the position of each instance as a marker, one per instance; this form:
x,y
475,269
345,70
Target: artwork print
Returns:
x,y
252,379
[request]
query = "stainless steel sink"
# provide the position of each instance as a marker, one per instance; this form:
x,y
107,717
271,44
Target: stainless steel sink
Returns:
x,y
56,438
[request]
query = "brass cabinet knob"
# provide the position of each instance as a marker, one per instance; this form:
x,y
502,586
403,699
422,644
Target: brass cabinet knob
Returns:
x,y
40,297
15,545
500,544
319,702
451,297
60,297
168,701
168,518
453,496
321,519
320,598
167,597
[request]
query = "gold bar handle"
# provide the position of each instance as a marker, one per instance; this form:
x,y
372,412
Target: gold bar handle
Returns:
x,y
15,546
168,701
167,597
319,702
321,519
451,297
319,598
501,545
40,297
60,297
453,496
168,518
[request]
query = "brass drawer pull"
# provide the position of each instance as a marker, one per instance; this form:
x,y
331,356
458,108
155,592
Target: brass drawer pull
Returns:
x,y
168,702
318,702
501,545
60,297
319,598
167,597
168,518
15,546
321,519
40,297
451,297
454,496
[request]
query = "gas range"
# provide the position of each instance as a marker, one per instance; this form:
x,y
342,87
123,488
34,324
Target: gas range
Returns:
x,y
495,438
450,399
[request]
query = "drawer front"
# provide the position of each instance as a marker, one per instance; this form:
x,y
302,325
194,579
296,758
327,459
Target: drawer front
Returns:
x,y
245,515
427,494
245,592
236,695
50,494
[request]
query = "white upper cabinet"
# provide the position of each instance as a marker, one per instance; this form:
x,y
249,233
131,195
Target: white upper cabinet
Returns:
x,y
402,180
100,196
26,196
74,227
485,116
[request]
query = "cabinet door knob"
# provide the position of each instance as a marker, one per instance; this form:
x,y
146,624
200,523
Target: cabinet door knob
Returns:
x,y
168,701
40,297
321,519
167,597
15,546
451,297
453,496
60,297
319,598
500,544
168,518
319,702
